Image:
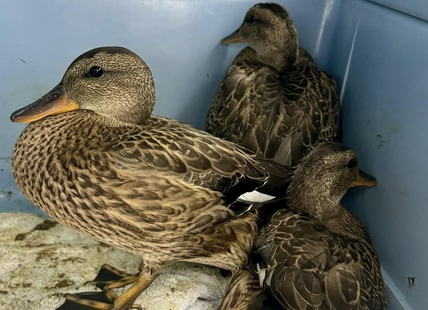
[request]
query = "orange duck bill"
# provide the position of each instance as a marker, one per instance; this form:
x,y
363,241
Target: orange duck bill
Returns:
x,y
54,102
364,179
235,37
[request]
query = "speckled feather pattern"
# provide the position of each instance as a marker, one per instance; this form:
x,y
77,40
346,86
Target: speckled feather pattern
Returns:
x,y
257,107
245,293
157,190
310,265
95,159
316,254
274,100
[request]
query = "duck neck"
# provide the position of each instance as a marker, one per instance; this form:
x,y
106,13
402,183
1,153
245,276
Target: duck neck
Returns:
x,y
280,58
312,198
331,213
124,119
131,112
277,51
346,224
317,201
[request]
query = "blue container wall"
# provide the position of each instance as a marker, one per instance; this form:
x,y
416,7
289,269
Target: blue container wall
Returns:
x,y
376,51
380,58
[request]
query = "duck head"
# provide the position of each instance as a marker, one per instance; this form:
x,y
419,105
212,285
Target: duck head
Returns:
x,y
322,179
269,30
110,81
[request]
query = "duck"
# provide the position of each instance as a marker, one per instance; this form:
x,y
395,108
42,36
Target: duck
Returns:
x,y
244,293
314,253
274,96
94,158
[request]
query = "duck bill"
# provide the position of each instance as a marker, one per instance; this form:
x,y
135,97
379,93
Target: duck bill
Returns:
x,y
54,102
235,37
364,179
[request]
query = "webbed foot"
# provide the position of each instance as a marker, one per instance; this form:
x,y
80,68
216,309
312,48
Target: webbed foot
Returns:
x,y
109,277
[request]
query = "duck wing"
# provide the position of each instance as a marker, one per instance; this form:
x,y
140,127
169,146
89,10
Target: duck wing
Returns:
x,y
306,267
245,293
257,107
238,110
176,156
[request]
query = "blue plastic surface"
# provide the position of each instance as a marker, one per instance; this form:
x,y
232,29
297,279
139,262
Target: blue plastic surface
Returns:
x,y
383,69
416,8
377,54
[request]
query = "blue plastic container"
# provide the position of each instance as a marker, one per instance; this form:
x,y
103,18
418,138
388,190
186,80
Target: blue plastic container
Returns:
x,y
377,51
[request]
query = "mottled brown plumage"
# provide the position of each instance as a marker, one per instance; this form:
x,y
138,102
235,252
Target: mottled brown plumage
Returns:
x,y
244,293
274,93
316,254
94,159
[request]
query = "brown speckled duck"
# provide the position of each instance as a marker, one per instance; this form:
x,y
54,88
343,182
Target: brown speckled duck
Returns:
x,y
316,254
244,293
95,159
274,93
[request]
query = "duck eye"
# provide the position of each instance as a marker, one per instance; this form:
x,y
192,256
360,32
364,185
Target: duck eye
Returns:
x,y
251,19
96,71
352,163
